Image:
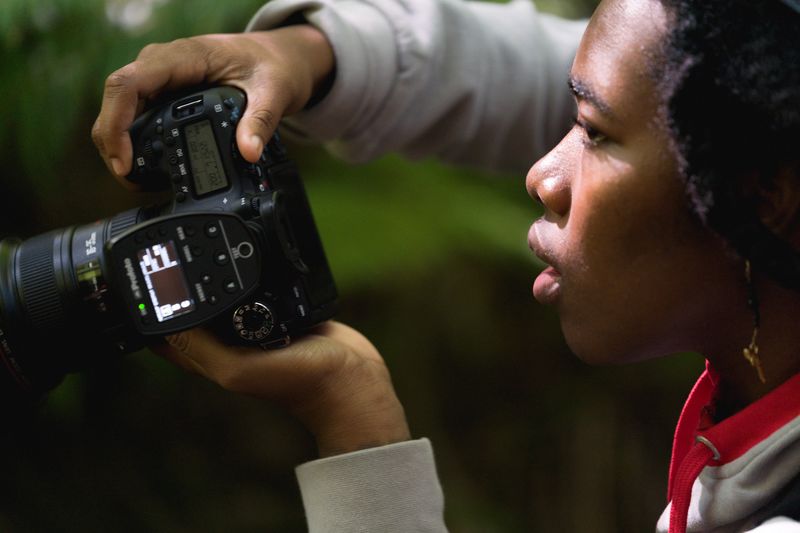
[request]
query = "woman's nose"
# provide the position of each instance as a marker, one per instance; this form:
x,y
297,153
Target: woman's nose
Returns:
x,y
549,180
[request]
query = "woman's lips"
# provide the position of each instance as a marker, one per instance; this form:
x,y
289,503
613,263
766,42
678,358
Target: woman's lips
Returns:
x,y
547,286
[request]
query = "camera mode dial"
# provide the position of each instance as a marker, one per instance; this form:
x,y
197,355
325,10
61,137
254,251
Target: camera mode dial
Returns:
x,y
253,321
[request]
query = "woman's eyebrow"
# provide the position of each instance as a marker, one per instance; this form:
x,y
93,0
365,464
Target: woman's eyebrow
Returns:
x,y
583,91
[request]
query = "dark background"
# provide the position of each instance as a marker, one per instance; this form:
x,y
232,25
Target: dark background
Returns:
x,y
432,265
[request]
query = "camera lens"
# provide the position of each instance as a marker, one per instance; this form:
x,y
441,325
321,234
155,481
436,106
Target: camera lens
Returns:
x,y
57,314
30,307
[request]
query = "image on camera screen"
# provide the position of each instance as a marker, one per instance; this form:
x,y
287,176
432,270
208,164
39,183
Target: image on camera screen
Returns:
x,y
207,170
165,281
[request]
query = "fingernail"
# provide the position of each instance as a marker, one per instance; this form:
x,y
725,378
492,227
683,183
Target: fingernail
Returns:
x,y
116,165
256,141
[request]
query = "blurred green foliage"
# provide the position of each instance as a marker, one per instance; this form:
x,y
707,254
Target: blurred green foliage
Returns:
x,y
432,265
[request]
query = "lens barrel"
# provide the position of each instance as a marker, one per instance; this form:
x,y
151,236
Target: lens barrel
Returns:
x,y
57,314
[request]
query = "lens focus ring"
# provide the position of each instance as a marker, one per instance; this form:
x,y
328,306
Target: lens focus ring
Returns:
x,y
38,290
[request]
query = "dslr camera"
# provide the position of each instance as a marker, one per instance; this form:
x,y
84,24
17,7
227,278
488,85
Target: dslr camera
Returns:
x,y
235,249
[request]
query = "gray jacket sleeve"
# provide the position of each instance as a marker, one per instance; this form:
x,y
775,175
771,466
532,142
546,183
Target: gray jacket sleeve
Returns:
x,y
471,82
388,489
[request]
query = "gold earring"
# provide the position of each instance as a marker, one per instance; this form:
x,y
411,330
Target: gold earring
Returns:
x,y
751,352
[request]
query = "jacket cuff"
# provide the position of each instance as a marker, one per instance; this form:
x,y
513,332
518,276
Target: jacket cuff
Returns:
x,y
391,488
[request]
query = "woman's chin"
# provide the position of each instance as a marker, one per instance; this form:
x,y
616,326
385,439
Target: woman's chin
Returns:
x,y
598,349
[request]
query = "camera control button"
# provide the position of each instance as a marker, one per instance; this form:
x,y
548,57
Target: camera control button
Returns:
x,y
212,299
231,286
253,321
189,230
197,251
236,113
221,258
169,140
206,279
212,230
244,250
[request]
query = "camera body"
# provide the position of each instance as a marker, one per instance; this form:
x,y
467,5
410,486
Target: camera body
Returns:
x,y
234,249
268,278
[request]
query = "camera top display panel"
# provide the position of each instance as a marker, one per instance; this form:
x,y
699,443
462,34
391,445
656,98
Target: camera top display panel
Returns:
x,y
189,145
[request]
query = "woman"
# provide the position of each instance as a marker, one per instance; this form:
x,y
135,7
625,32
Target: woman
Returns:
x,y
671,224
667,210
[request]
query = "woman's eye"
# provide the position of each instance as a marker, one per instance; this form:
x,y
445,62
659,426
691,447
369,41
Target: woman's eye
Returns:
x,y
592,137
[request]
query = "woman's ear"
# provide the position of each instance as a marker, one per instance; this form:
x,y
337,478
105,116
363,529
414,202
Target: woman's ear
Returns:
x,y
779,204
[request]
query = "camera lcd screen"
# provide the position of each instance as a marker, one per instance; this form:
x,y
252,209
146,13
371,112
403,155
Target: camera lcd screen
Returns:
x,y
208,173
166,283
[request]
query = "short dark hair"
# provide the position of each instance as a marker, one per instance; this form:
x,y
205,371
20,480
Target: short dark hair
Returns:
x,y
730,83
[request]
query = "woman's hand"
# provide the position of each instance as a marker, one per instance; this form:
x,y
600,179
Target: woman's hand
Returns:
x,y
278,69
333,380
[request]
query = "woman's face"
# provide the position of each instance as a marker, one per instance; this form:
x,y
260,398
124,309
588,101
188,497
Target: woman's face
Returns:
x,y
633,275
